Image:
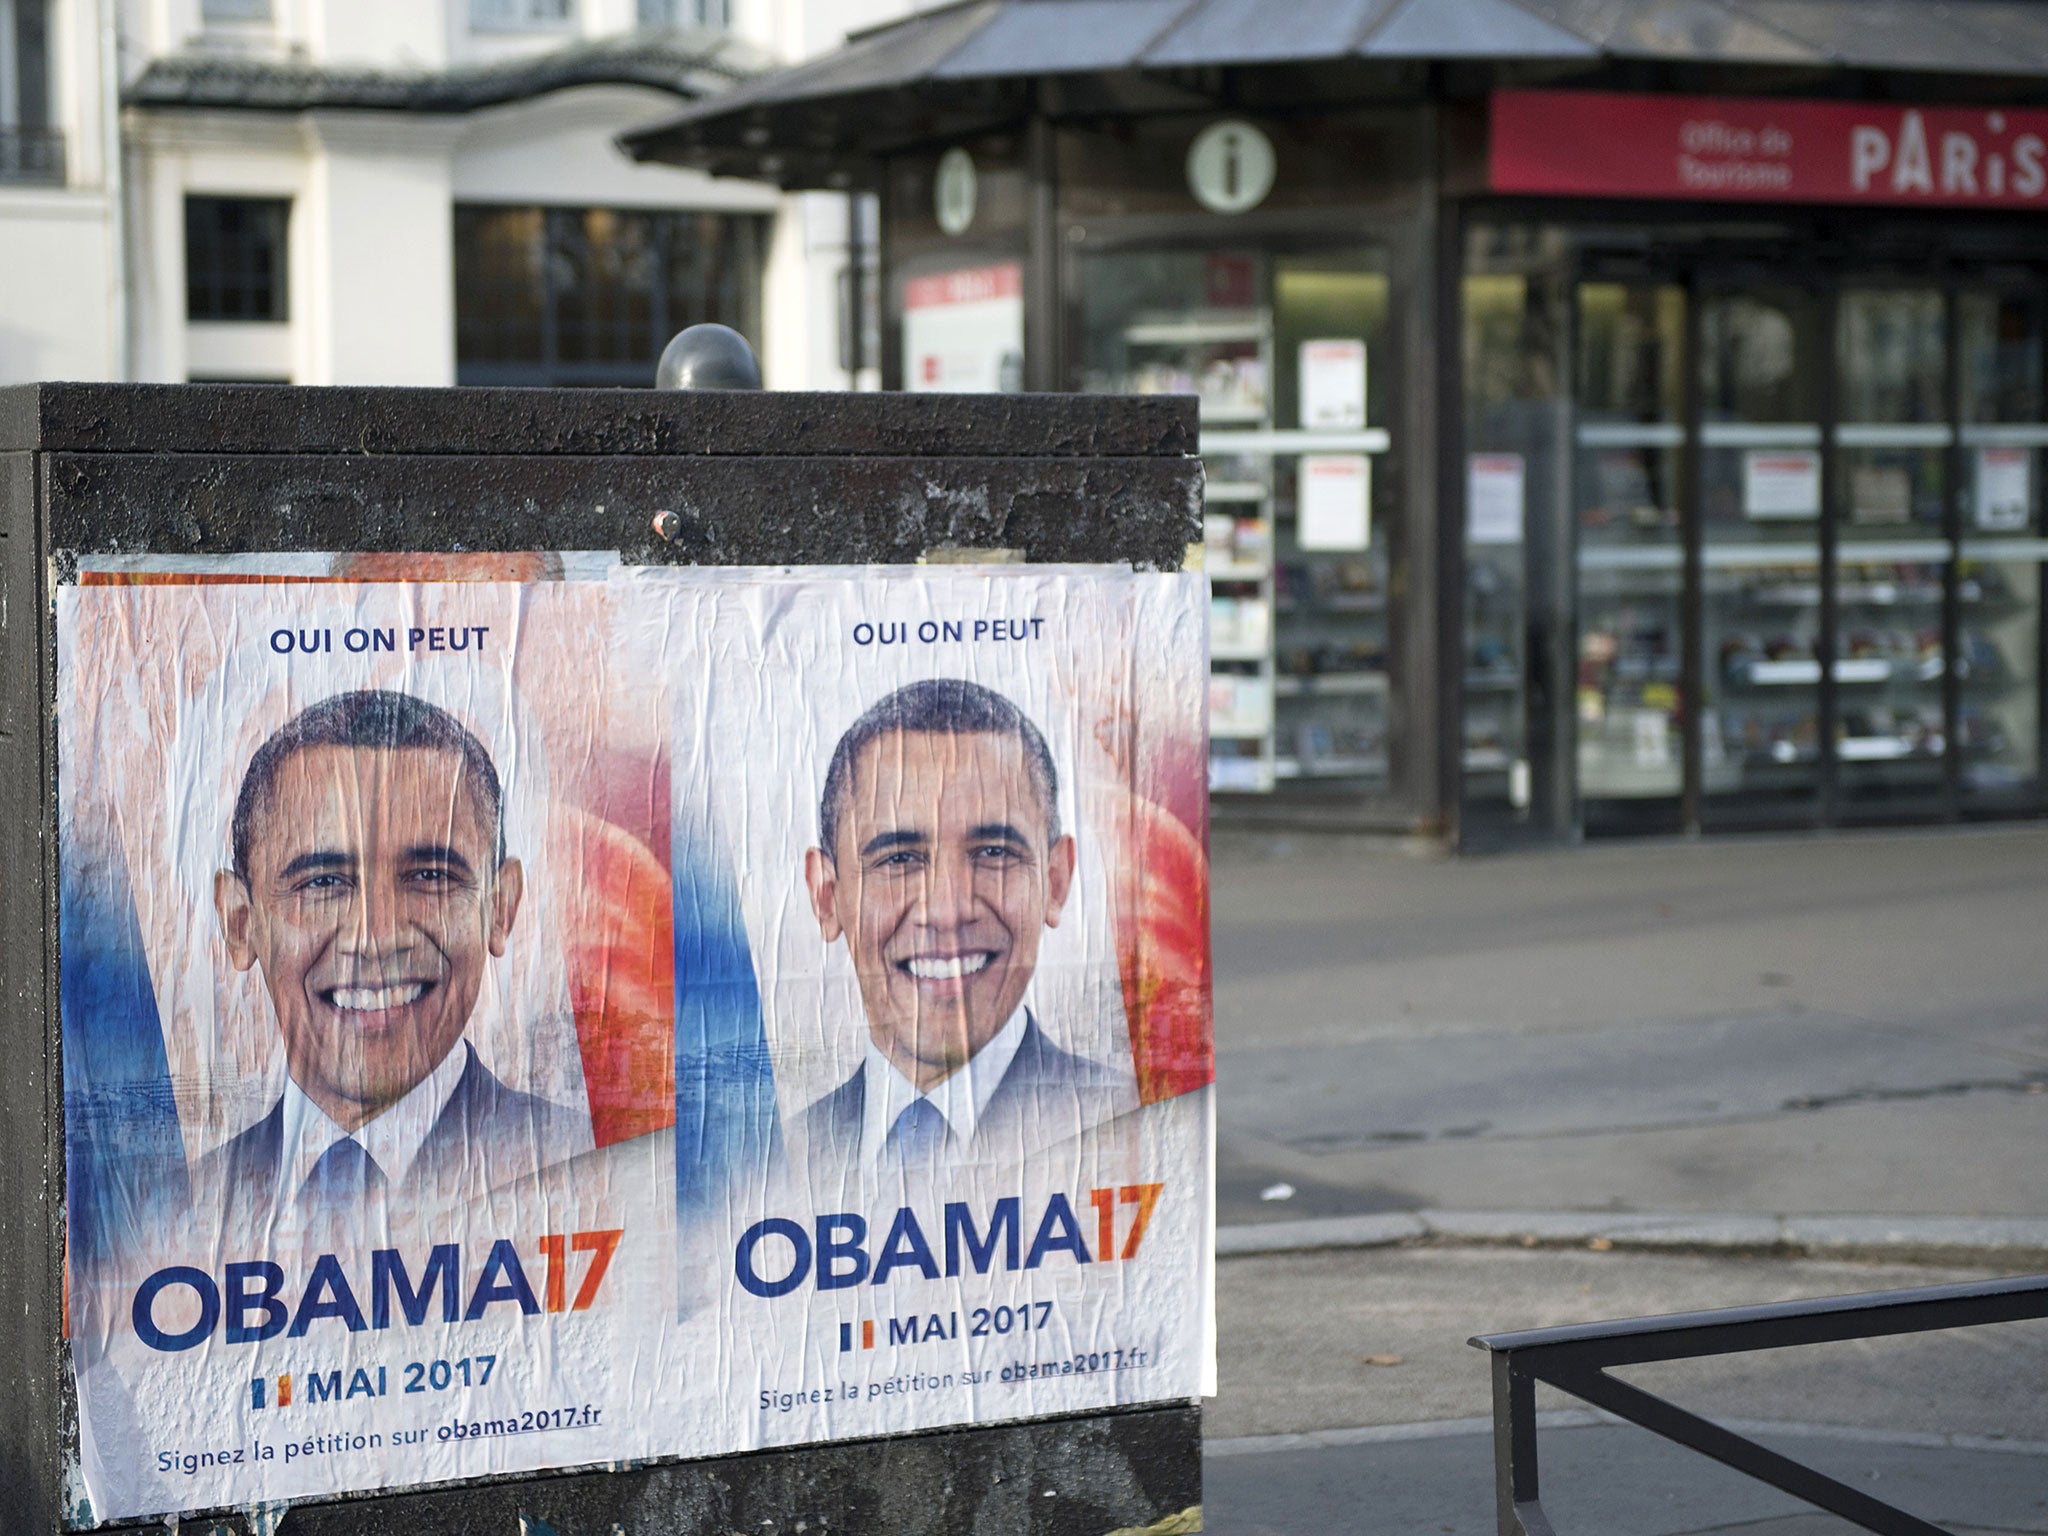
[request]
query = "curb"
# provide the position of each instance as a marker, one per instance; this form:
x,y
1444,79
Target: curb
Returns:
x,y
1385,1434
2017,1242
1593,1418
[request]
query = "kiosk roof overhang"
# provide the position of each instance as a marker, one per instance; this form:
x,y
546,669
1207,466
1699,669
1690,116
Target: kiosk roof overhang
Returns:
x,y
982,64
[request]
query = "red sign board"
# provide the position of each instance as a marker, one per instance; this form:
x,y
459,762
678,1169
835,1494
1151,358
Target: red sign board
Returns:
x,y
966,285
1761,150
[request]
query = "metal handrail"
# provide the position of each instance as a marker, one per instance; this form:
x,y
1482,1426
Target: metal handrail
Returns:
x,y
1577,1358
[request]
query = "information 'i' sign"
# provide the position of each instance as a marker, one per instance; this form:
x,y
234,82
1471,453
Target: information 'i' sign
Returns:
x,y
1231,166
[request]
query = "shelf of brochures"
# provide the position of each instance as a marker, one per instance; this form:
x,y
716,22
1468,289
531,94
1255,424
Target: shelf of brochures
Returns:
x,y
1876,749
1800,669
1240,647
1331,682
1257,653
1226,413
1224,357
1330,767
1269,441
1332,640
1234,490
1220,326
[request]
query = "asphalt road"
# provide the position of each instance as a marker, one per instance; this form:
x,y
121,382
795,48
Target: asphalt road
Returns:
x,y
1852,1024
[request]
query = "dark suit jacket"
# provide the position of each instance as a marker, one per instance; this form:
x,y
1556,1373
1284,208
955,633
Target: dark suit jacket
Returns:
x,y
1048,1095
487,1135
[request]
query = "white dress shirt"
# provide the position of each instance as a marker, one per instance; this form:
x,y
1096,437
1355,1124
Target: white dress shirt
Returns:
x,y
393,1137
962,1097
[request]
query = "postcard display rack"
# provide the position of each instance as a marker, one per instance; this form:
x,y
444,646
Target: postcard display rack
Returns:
x,y
1298,690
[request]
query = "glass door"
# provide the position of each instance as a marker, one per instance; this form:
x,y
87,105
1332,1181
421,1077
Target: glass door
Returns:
x,y
1518,652
1761,368
1330,315
1889,505
2002,362
1803,535
1629,562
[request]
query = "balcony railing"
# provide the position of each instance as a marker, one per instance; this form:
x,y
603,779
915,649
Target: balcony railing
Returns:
x,y
32,155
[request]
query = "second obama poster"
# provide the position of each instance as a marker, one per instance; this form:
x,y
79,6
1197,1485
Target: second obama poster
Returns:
x,y
697,1011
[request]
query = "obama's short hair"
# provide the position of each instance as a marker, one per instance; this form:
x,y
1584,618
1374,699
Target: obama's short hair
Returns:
x,y
947,706
375,719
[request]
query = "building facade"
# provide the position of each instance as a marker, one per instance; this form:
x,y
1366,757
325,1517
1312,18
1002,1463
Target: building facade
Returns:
x,y
61,294
1620,416
395,192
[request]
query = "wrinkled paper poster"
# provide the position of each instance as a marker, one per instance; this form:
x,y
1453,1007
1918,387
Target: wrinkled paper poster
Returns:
x,y
548,1015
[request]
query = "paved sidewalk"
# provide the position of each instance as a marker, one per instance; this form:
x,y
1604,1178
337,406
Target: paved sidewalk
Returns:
x,y
1608,1480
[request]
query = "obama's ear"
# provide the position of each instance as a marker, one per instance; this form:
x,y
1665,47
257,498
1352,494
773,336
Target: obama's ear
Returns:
x,y
821,878
506,890
231,901
1059,879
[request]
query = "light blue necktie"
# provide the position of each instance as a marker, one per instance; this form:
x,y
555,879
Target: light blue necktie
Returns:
x,y
919,1134
345,1176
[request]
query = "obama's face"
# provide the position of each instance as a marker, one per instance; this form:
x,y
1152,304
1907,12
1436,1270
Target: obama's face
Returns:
x,y
373,902
944,878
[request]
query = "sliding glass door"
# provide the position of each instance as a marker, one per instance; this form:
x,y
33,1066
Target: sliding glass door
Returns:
x,y
1807,547
1760,492
1630,463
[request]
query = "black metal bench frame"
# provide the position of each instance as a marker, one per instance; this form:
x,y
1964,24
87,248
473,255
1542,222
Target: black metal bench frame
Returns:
x,y
1577,1359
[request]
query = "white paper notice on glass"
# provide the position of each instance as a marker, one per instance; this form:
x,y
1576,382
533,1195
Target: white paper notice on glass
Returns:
x,y
1781,483
963,331
1333,385
1652,738
2004,501
1241,773
1494,488
1335,501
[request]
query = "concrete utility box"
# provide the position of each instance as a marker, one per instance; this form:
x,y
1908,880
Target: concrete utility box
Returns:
x,y
201,615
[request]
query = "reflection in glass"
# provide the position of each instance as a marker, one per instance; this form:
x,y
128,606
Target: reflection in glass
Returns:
x,y
1520,633
1999,650
1998,724
1756,361
571,296
1630,449
2002,365
607,266
1892,551
501,292
1760,470
1514,407
1333,687
1892,355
